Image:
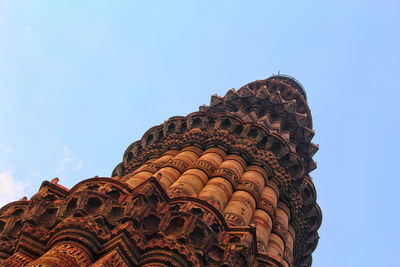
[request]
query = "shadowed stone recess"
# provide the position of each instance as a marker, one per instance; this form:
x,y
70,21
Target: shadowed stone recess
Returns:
x,y
228,185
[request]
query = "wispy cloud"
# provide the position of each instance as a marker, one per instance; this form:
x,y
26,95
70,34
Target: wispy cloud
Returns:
x,y
5,107
28,33
8,149
10,189
69,162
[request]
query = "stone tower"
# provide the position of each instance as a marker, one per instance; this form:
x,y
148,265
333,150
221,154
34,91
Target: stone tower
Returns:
x,y
226,186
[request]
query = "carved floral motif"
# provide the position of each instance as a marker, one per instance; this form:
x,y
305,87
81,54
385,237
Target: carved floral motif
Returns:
x,y
112,222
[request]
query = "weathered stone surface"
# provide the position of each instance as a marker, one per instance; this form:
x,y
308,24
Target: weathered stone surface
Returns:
x,y
226,186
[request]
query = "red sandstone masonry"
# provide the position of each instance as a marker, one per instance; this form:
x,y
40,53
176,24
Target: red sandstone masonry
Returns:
x,y
226,186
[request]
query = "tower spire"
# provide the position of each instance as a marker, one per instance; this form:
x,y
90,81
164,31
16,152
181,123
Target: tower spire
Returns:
x,y
228,185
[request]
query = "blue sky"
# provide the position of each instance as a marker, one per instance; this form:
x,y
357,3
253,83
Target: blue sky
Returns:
x,y
81,80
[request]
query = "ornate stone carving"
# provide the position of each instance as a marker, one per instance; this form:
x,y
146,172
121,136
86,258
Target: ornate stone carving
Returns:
x,y
228,175
226,186
249,187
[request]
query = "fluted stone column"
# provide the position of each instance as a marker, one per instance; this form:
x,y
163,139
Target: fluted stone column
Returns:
x,y
172,169
64,254
288,253
242,205
196,177
198,190
276,244
265,214
220,187
17,259
148,169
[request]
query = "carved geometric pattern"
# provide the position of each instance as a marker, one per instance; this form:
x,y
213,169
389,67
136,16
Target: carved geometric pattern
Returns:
x,y
238,149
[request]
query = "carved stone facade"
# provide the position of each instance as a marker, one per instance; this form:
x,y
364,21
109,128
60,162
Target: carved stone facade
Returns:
x,y
226,186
